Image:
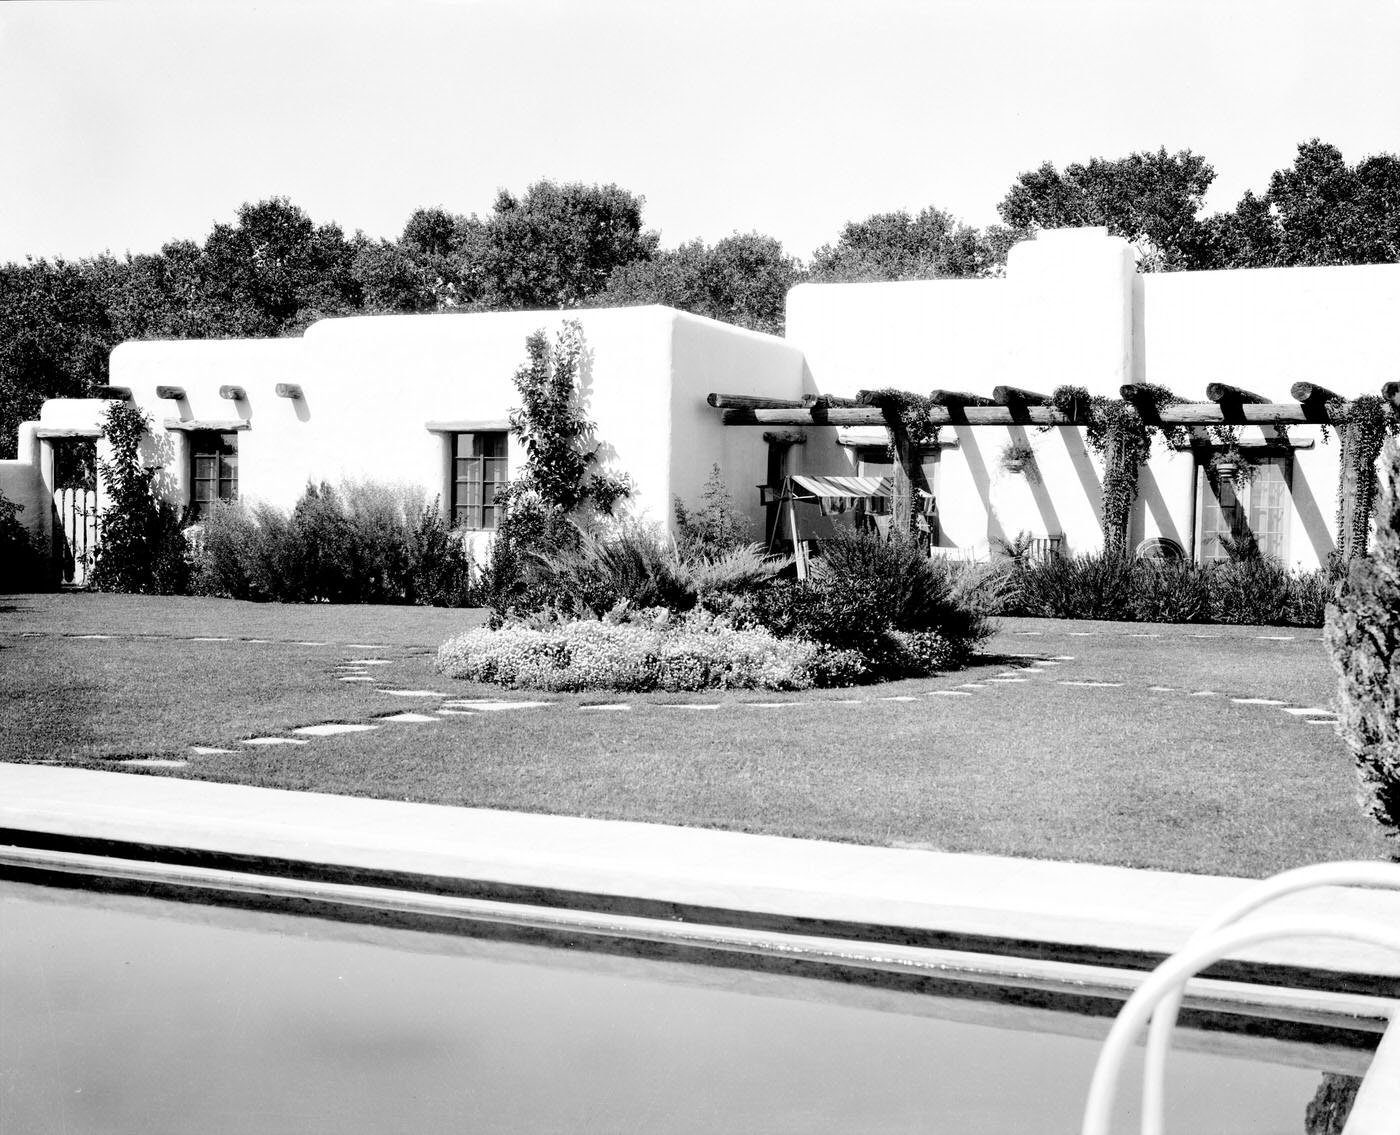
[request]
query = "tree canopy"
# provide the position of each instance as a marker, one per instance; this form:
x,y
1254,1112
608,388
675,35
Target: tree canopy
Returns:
x,y
272,270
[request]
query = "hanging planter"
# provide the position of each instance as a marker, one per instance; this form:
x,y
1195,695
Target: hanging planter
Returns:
x,y
1017,457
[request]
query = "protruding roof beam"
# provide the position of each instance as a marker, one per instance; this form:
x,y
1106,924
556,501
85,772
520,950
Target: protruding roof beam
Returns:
x,y
233,393
1311,392
288,390
115,393
1391,393
755,402
1014,395
176,392
1225,394
959,398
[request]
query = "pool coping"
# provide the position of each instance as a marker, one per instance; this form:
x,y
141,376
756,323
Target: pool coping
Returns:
x,y
1035,910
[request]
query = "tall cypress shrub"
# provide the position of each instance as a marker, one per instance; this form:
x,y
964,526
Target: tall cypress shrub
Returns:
x,y
1363,637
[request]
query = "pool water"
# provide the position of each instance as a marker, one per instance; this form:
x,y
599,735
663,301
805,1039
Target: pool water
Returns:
x,y
132,1015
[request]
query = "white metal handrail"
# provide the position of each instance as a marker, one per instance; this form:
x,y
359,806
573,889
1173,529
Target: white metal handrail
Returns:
x,y
1159,1036
1178,969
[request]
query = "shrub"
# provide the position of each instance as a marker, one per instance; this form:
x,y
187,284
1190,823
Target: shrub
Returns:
x,y
361,543
877,598
716,528
142,548
1169,591
1255,592
22,567
1096,586
1363,638
698,653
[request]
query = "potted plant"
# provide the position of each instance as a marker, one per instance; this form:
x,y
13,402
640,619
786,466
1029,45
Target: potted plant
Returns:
x,y
1230,463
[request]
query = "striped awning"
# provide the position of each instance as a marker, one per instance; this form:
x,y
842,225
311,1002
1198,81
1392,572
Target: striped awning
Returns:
x,y
850,488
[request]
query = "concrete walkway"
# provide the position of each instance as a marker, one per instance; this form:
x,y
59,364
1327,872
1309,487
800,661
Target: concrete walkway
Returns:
x,y
1098,908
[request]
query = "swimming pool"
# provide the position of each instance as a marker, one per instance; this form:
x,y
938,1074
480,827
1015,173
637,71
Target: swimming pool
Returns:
x,y
123,1013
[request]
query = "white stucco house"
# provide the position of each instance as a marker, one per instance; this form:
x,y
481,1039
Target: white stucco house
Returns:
x,y
424,399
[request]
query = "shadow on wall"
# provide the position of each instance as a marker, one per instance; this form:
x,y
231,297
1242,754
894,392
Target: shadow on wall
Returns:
x,y
1314,523
1044,503
981,479
1084,470
1151,499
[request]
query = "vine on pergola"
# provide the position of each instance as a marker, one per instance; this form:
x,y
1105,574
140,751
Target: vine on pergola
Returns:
x,y
1363,424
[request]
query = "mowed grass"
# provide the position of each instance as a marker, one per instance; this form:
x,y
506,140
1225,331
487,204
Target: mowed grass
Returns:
x,y
1120,774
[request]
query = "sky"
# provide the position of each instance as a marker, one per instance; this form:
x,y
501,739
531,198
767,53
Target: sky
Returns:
x,y
124,125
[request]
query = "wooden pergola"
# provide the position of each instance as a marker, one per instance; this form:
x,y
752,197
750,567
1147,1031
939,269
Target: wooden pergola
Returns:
x,y
1225,405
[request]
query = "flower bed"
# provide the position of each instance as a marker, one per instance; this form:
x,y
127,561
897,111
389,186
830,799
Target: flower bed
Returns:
x,y
697,653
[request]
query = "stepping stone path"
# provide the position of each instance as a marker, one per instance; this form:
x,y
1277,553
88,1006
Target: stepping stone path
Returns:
x,y
331,729
357,670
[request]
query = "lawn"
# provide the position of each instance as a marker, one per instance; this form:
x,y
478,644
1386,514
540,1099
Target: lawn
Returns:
x,y
1124,744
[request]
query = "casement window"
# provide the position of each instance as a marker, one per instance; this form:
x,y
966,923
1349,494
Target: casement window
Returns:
x,y
478,470
213,469
1231,506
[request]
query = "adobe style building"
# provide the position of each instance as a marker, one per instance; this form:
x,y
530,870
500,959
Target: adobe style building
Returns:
x,y
424,400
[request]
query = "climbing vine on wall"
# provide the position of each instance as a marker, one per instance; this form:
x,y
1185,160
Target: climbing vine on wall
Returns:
x,y
1363,424
1122,437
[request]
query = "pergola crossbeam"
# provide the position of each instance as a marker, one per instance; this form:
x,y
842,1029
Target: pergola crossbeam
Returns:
x,y
1182,414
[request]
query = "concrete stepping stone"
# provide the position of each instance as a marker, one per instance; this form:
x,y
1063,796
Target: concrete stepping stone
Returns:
x,y
368,662
409,717
274,741
366,645
354,678
458,712
209,750
1275,637
899,697
93,637
973,685
414,693
1030,634
1005,681
1314,712
1143,634
607,707
212,638
846,701
1204,694
1162,689
1083,634
153,762
1202,636
772,704
332,728
1320,721
489,705
687,705
302,643
1258,701
1090,684
258,640
1061,658
949,694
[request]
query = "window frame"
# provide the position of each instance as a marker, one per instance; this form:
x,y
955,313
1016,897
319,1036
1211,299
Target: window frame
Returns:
x,y
203,445
474,477
1273,543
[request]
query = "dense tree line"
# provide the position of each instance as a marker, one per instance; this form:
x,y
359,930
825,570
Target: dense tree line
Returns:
x,y
274,271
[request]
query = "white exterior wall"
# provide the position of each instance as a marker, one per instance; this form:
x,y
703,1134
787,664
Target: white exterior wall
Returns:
x,y
373,385
1073,311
